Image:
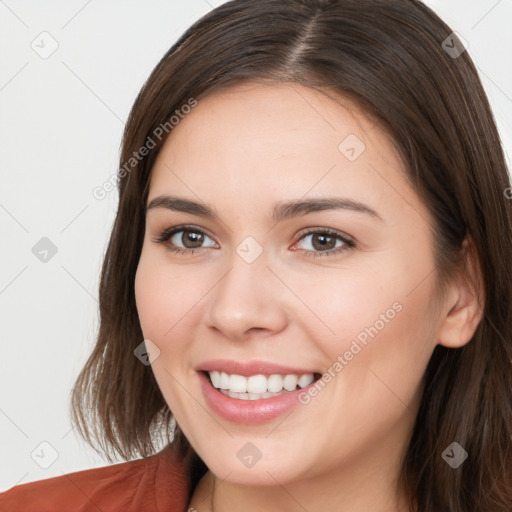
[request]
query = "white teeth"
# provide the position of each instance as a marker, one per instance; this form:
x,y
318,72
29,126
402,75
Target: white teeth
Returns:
x,y
258,386
275,383
215,378
306,380
249,396
223,380
290,382
238,383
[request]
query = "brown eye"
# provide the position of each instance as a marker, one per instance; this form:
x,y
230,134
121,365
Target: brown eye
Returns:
x,y
194,238
189,239
184,239
321,241
324,242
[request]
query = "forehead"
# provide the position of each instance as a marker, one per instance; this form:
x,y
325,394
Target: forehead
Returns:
x,y
281,140
267,121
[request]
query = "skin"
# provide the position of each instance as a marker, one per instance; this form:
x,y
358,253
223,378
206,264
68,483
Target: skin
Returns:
x,y
242,150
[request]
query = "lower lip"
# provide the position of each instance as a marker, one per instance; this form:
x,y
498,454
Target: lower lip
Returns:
x,y
248,412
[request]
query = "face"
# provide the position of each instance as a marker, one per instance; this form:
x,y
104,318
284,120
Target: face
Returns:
x,y
254,295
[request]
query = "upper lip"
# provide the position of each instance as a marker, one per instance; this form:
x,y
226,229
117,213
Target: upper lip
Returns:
x,y
248,368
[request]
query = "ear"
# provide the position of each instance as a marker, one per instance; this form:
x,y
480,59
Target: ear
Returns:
x,y
465,301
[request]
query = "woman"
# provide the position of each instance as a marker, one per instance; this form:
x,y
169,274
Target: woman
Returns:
x,y
374,377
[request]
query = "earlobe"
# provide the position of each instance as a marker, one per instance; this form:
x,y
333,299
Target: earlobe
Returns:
x,y
465,302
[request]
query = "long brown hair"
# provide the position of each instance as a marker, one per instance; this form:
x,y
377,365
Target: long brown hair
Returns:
x,y
391,57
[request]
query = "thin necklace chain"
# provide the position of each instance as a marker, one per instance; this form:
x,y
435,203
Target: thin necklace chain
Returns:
x,y
213,492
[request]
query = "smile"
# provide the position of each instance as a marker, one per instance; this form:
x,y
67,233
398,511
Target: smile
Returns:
x,y
256,387
252,392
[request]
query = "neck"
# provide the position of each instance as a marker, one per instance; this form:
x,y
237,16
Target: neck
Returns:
x,y
356,487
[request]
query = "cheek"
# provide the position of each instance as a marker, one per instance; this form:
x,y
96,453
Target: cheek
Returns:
x,y
165,298
148,298
344,304
380,322
375,368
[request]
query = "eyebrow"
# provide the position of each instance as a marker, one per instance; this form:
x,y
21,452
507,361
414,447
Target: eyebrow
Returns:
x,y
280,212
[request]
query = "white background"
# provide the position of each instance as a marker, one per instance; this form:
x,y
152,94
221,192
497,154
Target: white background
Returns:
x,y
61,121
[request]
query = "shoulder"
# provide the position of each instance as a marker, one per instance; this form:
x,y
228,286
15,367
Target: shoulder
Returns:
x,y
153,484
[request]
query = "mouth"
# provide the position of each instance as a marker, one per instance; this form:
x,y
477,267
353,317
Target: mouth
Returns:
x,y
258,386
253,392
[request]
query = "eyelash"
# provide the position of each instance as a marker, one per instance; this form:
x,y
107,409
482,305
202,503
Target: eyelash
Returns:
x,y
165,235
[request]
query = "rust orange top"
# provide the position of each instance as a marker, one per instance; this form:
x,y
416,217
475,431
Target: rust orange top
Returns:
x,y
153,484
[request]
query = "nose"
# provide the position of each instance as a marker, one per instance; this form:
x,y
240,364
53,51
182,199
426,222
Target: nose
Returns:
x,y
249,300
